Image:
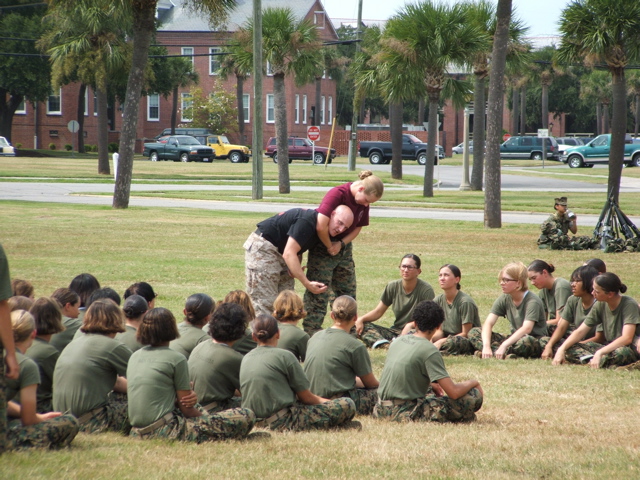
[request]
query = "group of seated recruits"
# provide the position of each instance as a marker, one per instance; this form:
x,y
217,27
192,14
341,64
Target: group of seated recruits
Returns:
x,y
180,382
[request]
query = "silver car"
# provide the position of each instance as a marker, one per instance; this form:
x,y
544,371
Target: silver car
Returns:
x,y
460,148
6,150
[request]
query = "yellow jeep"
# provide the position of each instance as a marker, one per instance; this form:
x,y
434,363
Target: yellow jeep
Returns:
x,y
223,149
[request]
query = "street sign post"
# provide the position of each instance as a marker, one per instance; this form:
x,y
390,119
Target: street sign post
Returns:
x,y
543,133
73,127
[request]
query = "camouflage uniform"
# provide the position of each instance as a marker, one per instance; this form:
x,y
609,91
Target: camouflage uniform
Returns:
x,y
338,272
457,345
619,357
554,235
215,407
364,398
113,417
373,333
300,417
431,408
234,423
527,347
3,405
53,433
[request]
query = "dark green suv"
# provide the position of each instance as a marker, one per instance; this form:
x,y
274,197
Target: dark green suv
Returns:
x,y
529,148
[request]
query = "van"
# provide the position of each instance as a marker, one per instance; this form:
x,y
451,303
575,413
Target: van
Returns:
x,y
528,148
199,133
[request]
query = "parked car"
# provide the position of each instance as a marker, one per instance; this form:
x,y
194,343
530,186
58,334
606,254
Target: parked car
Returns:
x,y
6,150
199,133
183,148
301,149
224,149
413,148
529,148
567,142
460,148
597,151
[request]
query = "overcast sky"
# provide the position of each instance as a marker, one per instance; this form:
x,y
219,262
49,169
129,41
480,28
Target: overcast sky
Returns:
x,y
540,15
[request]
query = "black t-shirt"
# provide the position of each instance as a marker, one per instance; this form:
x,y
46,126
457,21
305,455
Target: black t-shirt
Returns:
x,y
298,223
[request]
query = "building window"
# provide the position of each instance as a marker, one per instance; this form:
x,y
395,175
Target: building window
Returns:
x,y
22,108
186,103
322,111
153,107
269,69
54,104
214,60
330,119
187,52
271,115
297,108
95,104
319,19
246,99
304,109
86,102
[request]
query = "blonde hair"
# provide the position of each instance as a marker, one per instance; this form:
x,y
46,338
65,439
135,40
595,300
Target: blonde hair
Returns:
x,y
288,307
517,271
372,184
103,317
243,299
22,324
344,308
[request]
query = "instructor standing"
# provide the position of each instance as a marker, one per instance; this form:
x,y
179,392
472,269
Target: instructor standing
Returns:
x,y
331,260
273,252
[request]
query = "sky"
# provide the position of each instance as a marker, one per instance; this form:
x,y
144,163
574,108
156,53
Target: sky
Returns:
x,y
541,16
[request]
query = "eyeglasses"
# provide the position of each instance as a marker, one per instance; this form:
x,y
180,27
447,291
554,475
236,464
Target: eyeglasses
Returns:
x,y
407,267
507,280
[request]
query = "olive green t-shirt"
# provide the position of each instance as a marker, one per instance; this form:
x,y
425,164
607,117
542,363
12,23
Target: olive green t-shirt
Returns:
x,y
462,310
62,339
575,313
245,344
29,375
190,336
269,380
5,277
612,321
403,303
556,298
129,338
86,372
412,364
531,308
154,375
293,339
45,356
214,369
334,360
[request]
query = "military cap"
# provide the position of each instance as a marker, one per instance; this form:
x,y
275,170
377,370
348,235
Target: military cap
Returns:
x,y
561,201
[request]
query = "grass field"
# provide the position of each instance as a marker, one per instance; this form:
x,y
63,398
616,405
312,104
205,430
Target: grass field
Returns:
x,y
538,421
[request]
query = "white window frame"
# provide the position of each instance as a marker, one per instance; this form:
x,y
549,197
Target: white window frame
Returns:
x,y
185,99
270,109
246,103
319,19
297,109
95,104
86,102
22,108
189,51
269,69
304,109
322,111
213,60
330,111
59,110
153,101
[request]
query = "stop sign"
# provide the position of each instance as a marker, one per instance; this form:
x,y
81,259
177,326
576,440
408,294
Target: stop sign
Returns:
x,y
506,137
313,133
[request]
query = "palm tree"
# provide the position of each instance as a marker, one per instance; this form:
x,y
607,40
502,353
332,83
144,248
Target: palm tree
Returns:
x,y
595,88
633,82
544,70
180,74
291,47
232,64
594,32
423,40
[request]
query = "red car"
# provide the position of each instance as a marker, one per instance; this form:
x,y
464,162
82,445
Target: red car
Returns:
x,y
301,149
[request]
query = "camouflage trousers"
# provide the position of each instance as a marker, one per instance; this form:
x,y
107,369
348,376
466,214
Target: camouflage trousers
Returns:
x,y
266,273
219,406
527,347
113,417
56,432
299,417
457,345
233,423
364,398
338,272
619,357
373,333
431,408
3,405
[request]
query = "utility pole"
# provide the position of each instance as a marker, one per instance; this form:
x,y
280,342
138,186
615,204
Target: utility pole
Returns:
x,y
256,147
353,143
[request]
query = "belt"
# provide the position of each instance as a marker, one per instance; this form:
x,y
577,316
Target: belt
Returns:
x,y
155,425
265,422
89,415
210,406
391,403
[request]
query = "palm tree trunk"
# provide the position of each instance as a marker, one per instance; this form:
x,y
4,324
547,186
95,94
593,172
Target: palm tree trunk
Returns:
x,y
240,98
479,101
316,116
492,200
515,113
545,105
174,110
434,99
618,131
637,116
103,131
598,118
420,111
395,122
80,114
144,26
280,110
605,118
523,110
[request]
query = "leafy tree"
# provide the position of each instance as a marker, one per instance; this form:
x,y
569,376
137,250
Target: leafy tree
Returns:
x,y
633,82
26,77
232,64
595,88
595,32
544,71
215,111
